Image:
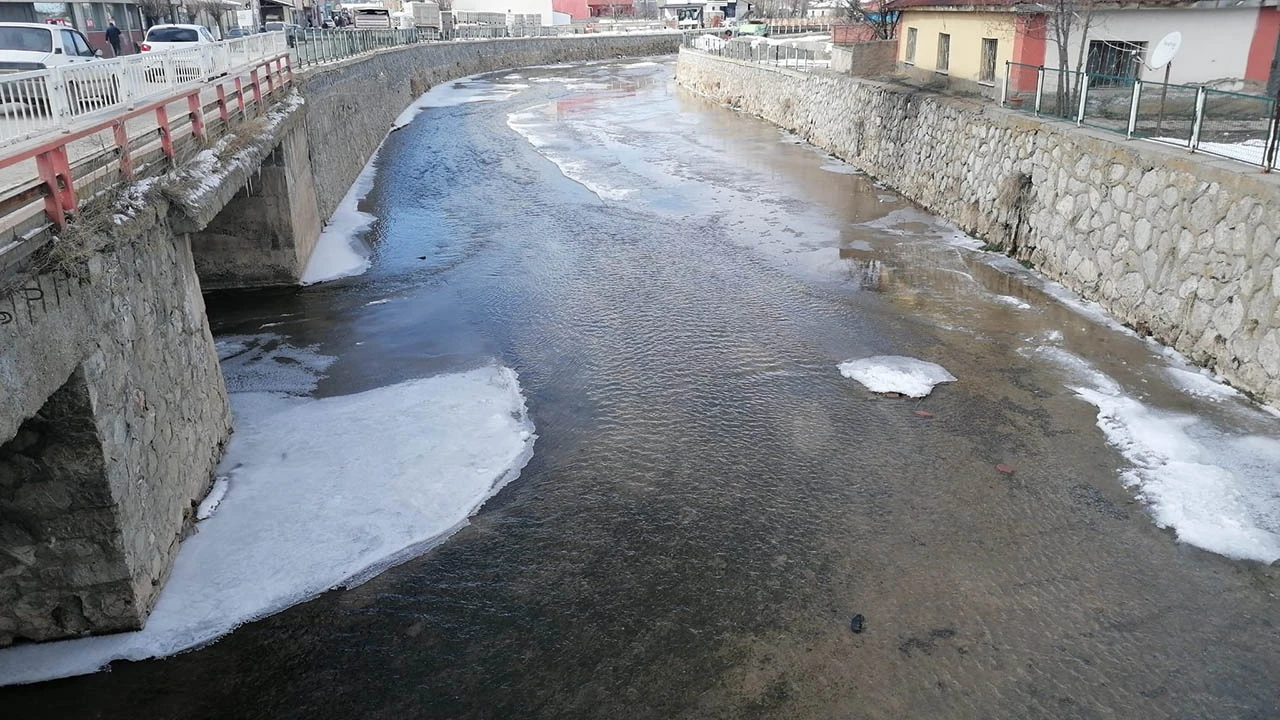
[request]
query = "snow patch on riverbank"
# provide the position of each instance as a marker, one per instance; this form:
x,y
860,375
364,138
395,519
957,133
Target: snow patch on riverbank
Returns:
x,y
320,493
1216,489
896,374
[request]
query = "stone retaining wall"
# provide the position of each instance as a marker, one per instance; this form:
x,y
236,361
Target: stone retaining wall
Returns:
x,y
1182,247
350,106
112,417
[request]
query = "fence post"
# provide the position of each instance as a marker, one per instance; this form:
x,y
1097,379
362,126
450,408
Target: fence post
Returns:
x,y
1273,136
59,105
1199,121
1039,87
1004,91
1132,127
1084,93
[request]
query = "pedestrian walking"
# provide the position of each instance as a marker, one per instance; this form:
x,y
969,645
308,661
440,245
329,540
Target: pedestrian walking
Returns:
x,y
113,37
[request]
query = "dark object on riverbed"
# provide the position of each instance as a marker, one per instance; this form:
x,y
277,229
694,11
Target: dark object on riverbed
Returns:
x,y
858,623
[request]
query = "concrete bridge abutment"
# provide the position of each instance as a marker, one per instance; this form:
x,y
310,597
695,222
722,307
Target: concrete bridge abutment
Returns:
x,y
113,417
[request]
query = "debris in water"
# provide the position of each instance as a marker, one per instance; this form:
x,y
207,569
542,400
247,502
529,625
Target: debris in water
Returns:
x,y
1004,469
923,413
858,623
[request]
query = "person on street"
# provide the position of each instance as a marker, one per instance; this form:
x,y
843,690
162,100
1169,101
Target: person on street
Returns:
x,y
113,37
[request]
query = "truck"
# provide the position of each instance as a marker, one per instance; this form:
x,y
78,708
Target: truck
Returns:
x,y
369,15
425,15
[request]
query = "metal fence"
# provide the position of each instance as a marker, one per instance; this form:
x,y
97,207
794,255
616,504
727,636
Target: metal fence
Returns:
x,y
316,46
759,50
35,102
1232,125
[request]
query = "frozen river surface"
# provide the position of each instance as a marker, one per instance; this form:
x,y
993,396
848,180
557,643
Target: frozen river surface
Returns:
x,y
1052,518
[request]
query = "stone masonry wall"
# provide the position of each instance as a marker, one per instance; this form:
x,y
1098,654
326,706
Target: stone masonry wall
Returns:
x,y
112,417
1182,247
350,106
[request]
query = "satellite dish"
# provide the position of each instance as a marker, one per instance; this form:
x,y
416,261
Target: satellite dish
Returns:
x,y
1164,50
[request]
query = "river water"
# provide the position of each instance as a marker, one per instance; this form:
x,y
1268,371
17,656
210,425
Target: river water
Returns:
x,y
709,501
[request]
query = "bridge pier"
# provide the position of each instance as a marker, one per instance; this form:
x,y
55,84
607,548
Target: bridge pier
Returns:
x,y
265,234
112,417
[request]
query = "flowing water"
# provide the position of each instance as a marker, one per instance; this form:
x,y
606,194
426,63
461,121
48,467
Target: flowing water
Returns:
x,y
710,501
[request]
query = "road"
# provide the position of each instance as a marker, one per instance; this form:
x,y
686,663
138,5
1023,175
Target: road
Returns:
x,y
709,501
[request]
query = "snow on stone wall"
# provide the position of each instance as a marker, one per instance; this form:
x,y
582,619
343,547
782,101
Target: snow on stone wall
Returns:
x,y
1183,247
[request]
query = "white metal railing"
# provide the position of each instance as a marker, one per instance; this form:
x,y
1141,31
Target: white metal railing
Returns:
x,y
41,101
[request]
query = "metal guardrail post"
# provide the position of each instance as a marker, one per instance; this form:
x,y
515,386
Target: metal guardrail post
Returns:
x,y
59,103
1199,121
1132,127
1039,87
1084,94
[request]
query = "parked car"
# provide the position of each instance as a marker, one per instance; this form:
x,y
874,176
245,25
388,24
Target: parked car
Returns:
x,y
237,32
35,46
753,27
194,65
293,33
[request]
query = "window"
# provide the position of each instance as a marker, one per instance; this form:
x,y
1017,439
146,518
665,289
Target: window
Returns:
x,y
1117,61
944,53
73,43
52,11
987,73
26,39
172,33
911,45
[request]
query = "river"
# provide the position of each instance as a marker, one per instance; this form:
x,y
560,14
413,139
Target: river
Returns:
x,y
1079,526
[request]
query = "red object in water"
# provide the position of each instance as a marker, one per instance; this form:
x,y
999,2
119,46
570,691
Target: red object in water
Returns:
x,y
923,413
1004,469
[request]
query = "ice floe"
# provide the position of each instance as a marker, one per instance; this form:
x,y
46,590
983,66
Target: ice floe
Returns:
x,y
321,493
896,374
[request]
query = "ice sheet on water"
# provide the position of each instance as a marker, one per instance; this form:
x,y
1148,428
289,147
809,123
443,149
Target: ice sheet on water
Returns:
x,y
322,493
536,126
209,505
1013,301
1216,489
268,363
897,374
839,167
1200,384
459,92
339,252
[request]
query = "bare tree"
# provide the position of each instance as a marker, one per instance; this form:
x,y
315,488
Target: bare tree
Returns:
x,y
878,15
214,8
156,11
1065,20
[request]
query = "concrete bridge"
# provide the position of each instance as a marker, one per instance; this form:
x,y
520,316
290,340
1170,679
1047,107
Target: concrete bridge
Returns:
x,y
113,412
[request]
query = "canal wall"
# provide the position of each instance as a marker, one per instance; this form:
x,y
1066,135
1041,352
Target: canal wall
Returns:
x,y
112,417
1183,248
350,106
